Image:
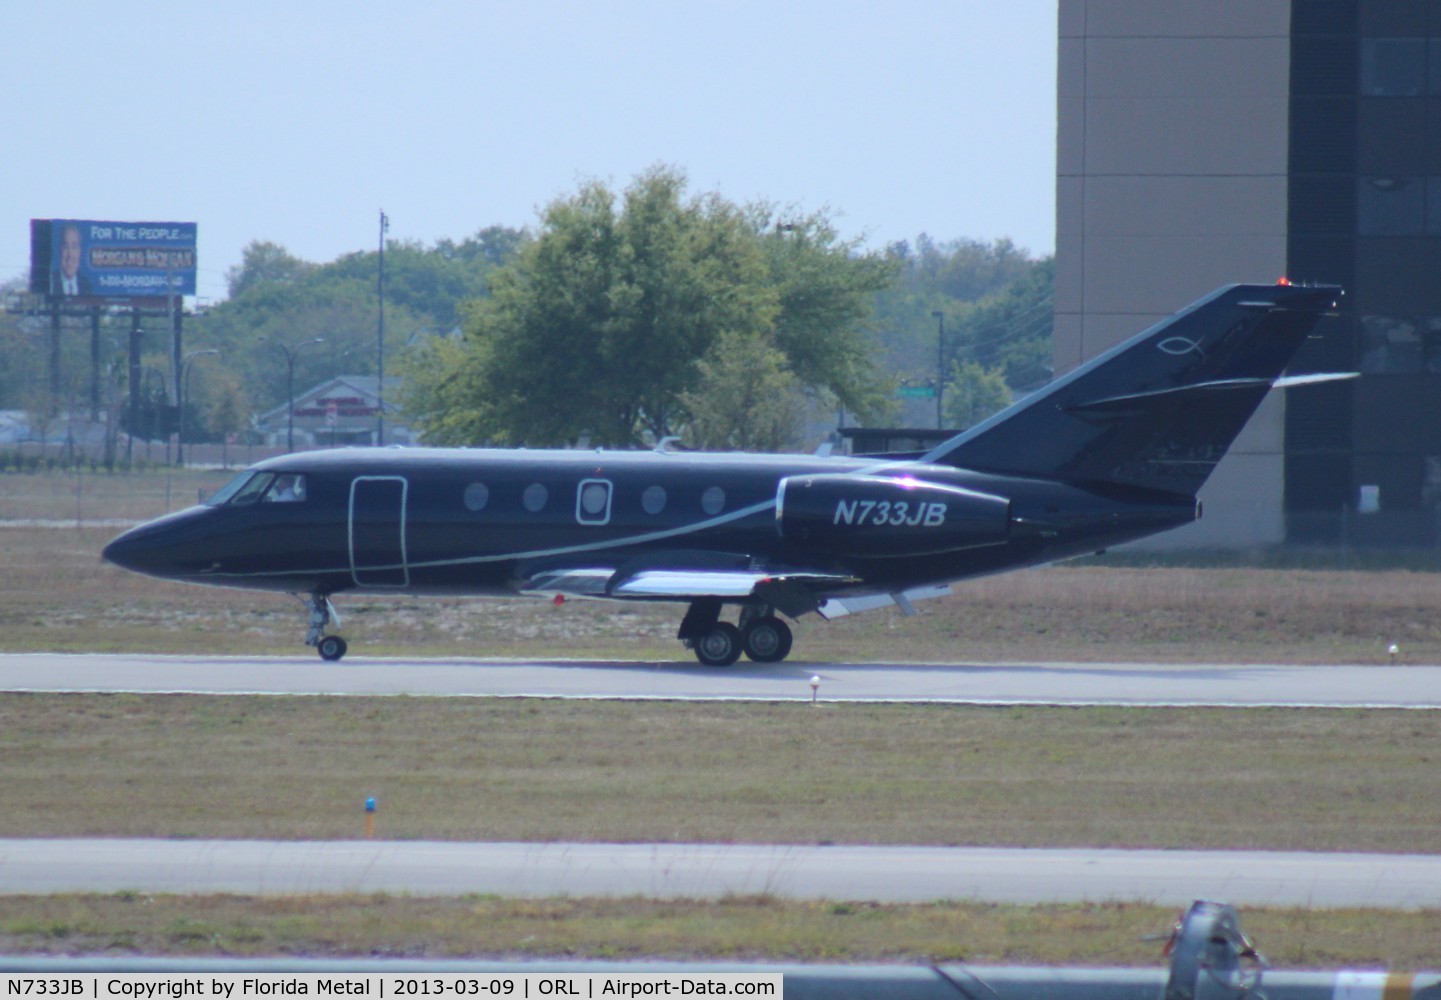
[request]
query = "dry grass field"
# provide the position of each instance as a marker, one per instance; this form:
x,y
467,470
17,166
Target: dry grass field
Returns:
x,y
610,771
753,929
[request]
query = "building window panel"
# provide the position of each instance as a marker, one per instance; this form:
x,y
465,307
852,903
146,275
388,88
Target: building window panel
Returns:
x,y
1393,67
1391,206
1390,344
1433,206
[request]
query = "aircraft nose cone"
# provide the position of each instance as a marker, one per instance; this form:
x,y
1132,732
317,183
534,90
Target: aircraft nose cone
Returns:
x,y
149,549
128,551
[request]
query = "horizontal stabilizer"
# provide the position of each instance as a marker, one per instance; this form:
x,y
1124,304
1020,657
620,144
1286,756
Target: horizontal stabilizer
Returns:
x,y
1291,381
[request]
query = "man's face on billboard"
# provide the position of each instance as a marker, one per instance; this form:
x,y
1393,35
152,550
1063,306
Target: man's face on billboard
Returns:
x,y
70,252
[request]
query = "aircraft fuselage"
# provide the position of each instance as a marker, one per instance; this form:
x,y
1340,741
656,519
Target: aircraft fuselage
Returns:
x,y
502,522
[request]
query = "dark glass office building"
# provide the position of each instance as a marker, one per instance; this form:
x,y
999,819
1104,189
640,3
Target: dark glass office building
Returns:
x,y
1239,140
1363,459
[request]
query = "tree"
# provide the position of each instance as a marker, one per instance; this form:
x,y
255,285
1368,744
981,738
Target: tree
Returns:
x,y
600,325
825,289
1010,329
228,415
974,393
747,398
263,262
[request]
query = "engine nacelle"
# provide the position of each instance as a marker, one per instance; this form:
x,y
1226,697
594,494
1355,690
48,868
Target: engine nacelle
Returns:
x,y
887,515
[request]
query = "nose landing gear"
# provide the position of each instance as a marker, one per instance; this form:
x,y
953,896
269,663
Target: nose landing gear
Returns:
x,y
322,613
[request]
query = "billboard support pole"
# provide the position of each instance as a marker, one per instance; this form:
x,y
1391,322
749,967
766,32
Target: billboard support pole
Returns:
x,y
95,363
134,386
176,361
54,362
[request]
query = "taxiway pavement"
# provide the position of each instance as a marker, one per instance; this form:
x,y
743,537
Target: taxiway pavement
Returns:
x,y
708,871
1135,684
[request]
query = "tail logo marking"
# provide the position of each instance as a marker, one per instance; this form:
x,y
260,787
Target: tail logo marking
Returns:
x,y
1181,345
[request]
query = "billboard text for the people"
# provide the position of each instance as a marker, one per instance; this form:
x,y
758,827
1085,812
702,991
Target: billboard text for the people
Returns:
x,y
84,260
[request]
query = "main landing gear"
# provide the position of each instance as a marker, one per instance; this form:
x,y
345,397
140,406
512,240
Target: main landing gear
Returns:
x,y
322,613
761,636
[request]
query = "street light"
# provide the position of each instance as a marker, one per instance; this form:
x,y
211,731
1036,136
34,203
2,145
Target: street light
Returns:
x,y
290,353
940,362
185,392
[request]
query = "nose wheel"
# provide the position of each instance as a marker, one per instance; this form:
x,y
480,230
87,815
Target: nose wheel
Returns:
x,y
322,613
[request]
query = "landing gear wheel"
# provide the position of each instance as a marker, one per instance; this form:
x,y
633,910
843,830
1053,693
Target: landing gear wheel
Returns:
x,y
767,640
332,647
720,647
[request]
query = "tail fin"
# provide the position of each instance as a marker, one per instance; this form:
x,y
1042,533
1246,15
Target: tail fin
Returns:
x,y
1159,410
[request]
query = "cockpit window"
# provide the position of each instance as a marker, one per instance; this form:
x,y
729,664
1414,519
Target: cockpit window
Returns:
x,y
264,487
287,488
244,488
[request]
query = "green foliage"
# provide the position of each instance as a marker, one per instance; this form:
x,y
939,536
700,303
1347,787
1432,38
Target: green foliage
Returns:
x,y
278,300
961,269
1010,330
747,398
973,393
607,323
262,263
994,302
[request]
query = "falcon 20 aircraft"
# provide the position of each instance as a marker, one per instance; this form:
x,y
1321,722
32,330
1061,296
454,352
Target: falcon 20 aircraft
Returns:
x,y
1113,451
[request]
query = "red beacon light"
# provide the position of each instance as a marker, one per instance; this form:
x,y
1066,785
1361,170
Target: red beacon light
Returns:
x,y
1284,281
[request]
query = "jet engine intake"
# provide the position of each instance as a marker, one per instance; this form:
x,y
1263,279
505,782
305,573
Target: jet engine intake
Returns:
x,y
880,515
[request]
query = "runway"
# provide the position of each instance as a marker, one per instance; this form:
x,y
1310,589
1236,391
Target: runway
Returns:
x,y
710,871
1122,684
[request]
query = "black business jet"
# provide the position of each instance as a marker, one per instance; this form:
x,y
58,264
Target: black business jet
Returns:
x,y
1113,451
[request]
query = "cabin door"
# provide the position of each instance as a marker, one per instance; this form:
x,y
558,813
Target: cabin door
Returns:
x,y
377,531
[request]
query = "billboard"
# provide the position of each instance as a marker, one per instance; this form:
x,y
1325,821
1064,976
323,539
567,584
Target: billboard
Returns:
x,y
83,261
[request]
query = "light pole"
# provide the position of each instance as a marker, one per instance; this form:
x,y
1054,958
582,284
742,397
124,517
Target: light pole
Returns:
x,y
940,362
290,353
380,338
180,400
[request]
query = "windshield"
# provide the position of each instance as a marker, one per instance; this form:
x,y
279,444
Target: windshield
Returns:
x,y
249,487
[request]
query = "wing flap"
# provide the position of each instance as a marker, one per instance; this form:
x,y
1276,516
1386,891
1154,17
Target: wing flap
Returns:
x,y
839,607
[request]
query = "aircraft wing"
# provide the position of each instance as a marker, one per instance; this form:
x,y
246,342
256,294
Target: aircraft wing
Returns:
x,y
792,590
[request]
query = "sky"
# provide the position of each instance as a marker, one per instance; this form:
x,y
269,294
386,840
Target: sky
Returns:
x,y
298,121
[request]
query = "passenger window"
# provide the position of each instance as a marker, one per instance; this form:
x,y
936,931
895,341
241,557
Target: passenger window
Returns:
x,y
713,500
287,488
476,496
592,501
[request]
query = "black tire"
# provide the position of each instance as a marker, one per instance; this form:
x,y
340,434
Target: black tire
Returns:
x,y
767,640
332,647
720,647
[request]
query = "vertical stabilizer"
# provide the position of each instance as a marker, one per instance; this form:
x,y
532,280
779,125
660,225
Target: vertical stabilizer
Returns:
x,y
1160,410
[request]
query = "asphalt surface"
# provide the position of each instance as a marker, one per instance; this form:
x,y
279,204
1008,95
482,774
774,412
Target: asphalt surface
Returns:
x,y
708,871
1137,684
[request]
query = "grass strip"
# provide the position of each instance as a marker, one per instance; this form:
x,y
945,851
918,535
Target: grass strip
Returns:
x,y
760,929
542,770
